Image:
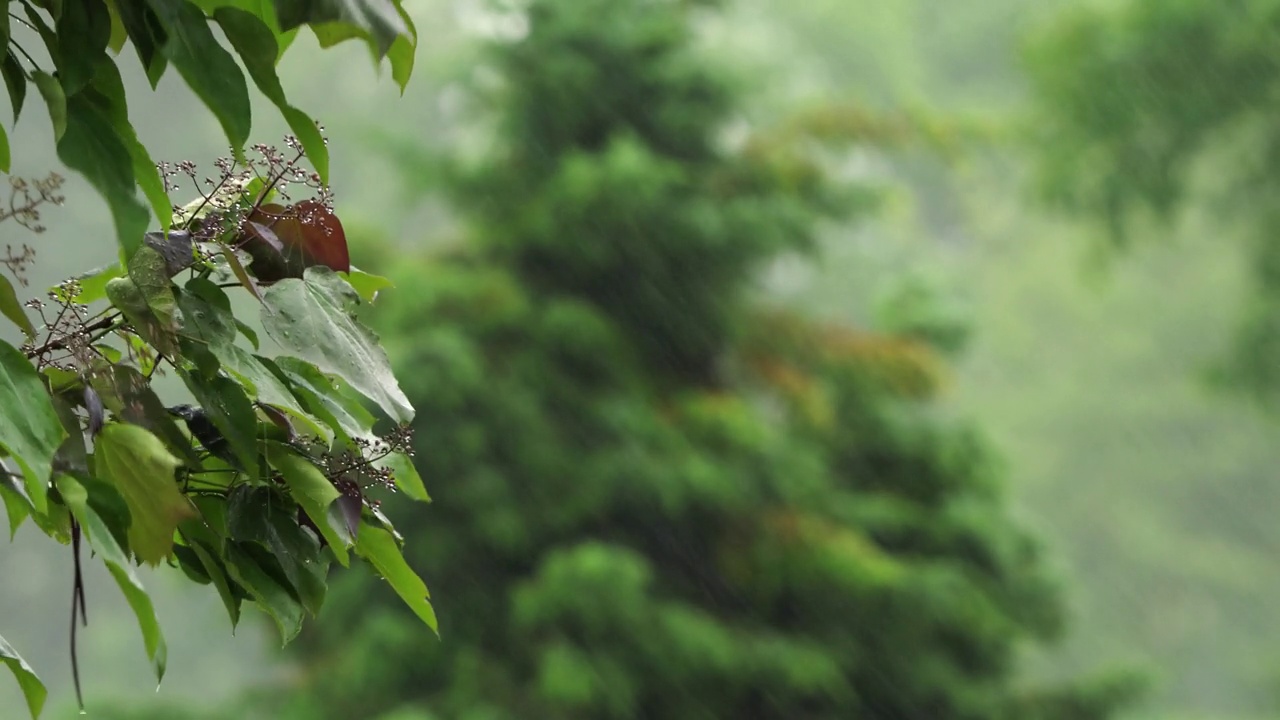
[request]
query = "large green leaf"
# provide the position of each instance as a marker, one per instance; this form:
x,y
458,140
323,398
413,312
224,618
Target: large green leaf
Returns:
x,y
209,69
147,36
12,308
84,29
146,298
314,493
314,318
142,470
129,395
108,84
91,147
15,81
29,426
379,20
379,547
256,44
32,689
103,541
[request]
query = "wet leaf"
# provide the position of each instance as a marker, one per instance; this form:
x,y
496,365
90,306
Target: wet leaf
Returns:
x,y
314,319
231,412
29,427
258,515
175,247
259,573
379,547
284,241
366,284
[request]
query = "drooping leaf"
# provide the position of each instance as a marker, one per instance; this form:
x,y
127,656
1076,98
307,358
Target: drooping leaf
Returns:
x,y
118,36
12,308
91,147
103,541
147,35
32,689
314,319
73,454
402,51
29,427
268,586
379,547
256,45
208,69
142,470
216,570
378,20
258,515
314,493
109,86
84,29
15,81
54,98
237,269
347,419
17,505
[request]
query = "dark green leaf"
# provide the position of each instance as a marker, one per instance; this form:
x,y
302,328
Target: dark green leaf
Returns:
x,y
110,87
347,418
216,570
269,588
32,689
142,470
56,100
91,147
12,308
15,80
17,505
314,319
379,20
129,395
147,35
259,515
29,427
379,547
103,541
208,69
84,29
256,44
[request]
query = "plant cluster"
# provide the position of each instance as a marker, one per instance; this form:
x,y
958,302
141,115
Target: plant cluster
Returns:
x,y
271,469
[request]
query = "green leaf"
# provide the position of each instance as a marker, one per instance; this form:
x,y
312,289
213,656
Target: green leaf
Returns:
x,y
56,100
319,395
17,505
256,44
32,689
208,69
379,20
15,81
84,29
146,299
104,543
118,33
314,319
128,394
29,427
147,35
217,572
379,547
255,572
314,493
407,477
366,284
91,147
402,51
258,515
142,470
12,308
107,82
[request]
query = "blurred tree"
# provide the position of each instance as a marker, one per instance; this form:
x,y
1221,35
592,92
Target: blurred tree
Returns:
x,y
1152,110
656,500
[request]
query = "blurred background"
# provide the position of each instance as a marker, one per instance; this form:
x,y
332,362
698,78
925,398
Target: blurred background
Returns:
x,y
822,359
